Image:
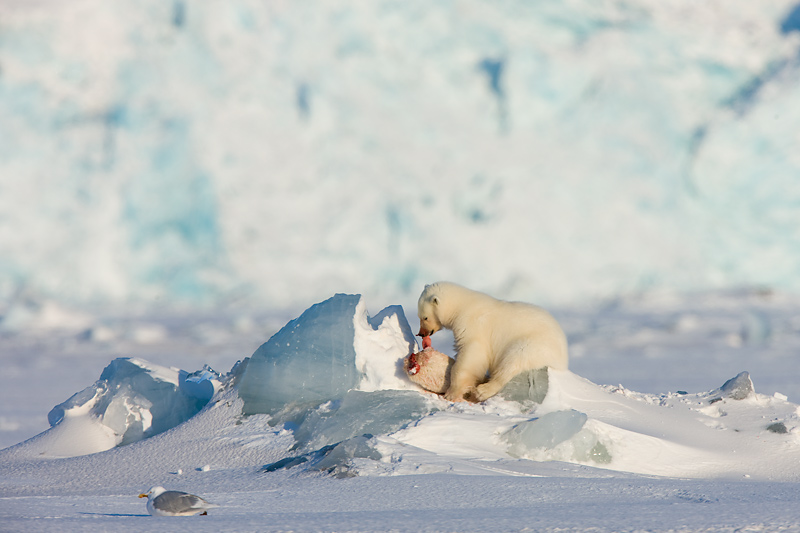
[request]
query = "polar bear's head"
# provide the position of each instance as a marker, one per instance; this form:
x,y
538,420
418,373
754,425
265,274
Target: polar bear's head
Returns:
x,y
428,311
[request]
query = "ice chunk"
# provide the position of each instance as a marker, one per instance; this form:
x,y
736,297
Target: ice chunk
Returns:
x,y
548,430
527,387
134,399
128,414
333,347
309,361
202,384
335,373
587,448
336,459
560,435
739,387
359,413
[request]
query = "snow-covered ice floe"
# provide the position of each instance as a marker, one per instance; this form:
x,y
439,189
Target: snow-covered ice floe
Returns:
x,y
327,393
132,400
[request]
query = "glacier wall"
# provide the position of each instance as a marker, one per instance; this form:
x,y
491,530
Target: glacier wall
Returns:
x,y
168,153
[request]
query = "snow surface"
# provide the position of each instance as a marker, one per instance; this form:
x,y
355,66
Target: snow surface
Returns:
x,y
589,457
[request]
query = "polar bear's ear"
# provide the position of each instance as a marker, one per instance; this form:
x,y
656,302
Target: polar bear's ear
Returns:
x,y
435,300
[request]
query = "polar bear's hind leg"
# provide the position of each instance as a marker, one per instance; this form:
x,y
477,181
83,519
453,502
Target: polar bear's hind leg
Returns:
x,y
497,380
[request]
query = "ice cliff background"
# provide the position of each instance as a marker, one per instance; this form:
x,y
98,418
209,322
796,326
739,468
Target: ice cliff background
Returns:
x,y
173,153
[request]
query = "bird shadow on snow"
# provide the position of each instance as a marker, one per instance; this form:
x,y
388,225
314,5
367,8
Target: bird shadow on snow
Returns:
x,y
116,514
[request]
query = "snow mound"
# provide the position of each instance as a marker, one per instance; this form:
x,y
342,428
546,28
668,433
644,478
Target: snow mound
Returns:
x,y
326,394
132,400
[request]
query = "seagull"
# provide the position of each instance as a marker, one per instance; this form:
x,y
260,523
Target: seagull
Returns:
x,y
163,502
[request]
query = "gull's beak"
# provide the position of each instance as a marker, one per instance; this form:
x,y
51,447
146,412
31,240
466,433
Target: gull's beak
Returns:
x,y
143,495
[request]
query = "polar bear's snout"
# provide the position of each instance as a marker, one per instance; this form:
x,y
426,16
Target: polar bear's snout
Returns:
x,y
427,328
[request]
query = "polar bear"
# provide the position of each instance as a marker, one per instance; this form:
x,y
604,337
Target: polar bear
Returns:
x,y
492,337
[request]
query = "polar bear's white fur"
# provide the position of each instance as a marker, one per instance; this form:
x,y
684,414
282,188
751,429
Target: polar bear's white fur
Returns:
x,y
492,337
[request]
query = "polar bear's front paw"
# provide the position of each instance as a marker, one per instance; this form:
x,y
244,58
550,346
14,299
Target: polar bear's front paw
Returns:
x,y
453,396
456,395
485,391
